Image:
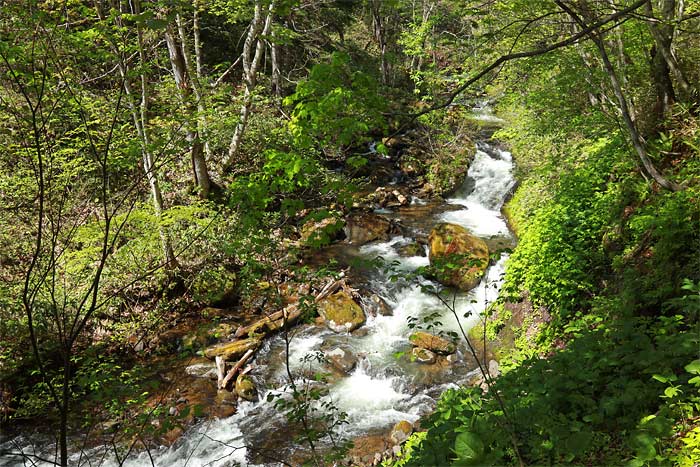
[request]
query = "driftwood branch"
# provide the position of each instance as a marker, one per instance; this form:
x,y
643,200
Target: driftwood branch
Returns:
x,y
223,383
333,286
220,369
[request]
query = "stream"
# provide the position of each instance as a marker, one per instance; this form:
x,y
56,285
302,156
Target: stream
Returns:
x,y
385,387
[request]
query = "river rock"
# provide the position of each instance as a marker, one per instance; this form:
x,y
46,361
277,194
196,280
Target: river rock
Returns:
x,y
411,249
421,355
202,370
314,233
245,388
232,350
401,432
225,404
341,313
365,448
432,342
364,227
453,244
389,197
374,305
342,360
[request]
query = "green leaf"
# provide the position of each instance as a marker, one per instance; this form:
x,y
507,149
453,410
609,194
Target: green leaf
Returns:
x,y
693,367
644,445
468,447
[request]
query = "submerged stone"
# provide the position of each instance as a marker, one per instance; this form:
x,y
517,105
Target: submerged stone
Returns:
x,y
411,249
342,360
421,355
375,305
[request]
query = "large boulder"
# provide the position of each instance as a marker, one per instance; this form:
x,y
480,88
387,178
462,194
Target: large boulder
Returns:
x,y
432,342
457,258
341,313
364,227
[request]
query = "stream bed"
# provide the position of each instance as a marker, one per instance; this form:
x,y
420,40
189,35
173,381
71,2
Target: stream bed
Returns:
x,y
385,386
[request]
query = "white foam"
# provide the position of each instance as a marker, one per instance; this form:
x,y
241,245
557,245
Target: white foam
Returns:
x,y
387,250
489,180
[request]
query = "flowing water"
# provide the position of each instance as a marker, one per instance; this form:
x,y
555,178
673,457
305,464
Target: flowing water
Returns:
x,y
384,388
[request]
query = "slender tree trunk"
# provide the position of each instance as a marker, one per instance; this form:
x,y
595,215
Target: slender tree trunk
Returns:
x,y
182,72
201,114
663,32
253,49
623,60
647,165
380,37
139,115
276,72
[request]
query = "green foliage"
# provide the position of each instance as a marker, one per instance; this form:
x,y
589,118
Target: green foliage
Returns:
x,y
579,406
561,244
335,107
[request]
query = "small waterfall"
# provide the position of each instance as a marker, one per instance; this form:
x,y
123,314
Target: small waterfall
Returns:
x,y
489,180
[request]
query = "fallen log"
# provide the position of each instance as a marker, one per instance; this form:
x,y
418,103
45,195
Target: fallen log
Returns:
x,y
271,322
231,350
232,372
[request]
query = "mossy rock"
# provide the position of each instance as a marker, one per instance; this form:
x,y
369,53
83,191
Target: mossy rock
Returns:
x,y
232,350
245,388
421,355
341,312
401,431
432,342
457,258
316,233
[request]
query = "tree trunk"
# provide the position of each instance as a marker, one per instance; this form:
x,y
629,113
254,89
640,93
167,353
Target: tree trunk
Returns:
x,y
253,49
140,117
185,81
276,72
201,114
647,165
664,61
380,37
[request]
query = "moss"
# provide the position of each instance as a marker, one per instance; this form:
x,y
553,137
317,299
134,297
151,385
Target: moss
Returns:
x,y
341,312
457,258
